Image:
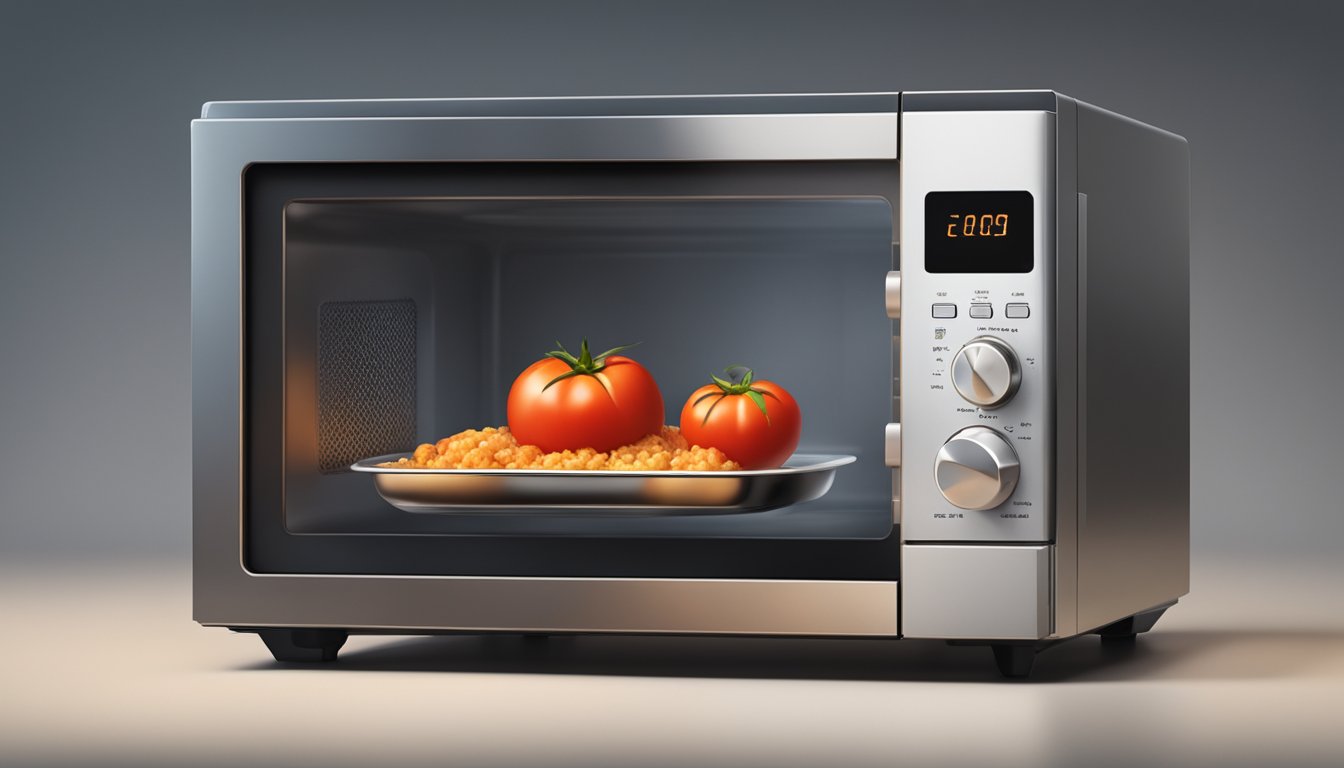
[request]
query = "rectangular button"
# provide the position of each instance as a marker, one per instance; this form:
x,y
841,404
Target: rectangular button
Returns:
x,y
944,310
1017,311
982,311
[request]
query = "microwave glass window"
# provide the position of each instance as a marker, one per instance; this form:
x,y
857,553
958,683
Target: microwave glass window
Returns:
x,y
983,232
407,320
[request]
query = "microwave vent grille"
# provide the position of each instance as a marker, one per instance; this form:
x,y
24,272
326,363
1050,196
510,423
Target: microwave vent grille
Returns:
x,y
366,381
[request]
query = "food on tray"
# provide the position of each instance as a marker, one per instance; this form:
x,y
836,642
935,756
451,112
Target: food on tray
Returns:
x,y
599,403
755,422
492,448
604,412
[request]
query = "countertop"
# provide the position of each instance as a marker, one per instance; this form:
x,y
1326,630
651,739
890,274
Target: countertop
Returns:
x,y
102,665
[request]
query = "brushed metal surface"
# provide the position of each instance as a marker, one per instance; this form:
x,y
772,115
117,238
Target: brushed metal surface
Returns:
x,y
803,477
559,106
966,151
675,606
862,136
1064,352
1133,367
892,436
893,288
980,592
986,372
977,469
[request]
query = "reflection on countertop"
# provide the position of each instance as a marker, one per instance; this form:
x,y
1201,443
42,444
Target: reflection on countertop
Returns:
x,y
102,665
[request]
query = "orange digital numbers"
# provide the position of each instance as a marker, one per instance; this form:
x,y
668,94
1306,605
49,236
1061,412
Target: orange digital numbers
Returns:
x,y
977,225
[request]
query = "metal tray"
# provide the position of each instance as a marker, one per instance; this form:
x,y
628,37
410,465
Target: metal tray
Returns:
x,y
803,477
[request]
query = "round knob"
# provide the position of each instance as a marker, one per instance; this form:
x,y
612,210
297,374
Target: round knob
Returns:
x,y
976,469
985,372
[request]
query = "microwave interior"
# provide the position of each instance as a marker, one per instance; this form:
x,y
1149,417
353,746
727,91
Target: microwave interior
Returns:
x,y
392,305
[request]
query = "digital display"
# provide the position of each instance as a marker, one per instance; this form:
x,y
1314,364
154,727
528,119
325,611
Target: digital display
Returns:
x,y
978,231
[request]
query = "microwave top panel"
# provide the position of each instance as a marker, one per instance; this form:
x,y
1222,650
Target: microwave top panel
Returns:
x,y
635,106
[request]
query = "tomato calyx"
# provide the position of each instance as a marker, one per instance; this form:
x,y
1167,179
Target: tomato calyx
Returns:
x,y
743,387
586,364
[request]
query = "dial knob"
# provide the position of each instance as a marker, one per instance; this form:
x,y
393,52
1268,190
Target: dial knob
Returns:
x,y
976,469
985,372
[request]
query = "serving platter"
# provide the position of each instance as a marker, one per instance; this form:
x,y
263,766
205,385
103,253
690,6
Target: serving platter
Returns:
x,y
803,477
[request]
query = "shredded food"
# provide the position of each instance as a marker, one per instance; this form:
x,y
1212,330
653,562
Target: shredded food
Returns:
x,y
497,448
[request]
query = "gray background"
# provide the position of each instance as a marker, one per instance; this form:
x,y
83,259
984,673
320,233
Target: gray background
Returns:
x,y
103,666
95,100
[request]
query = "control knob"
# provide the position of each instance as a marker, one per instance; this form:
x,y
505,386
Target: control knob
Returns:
x,y
985,372
976,469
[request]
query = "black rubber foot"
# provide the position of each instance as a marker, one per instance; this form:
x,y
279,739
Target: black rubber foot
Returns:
x,y
1126,631
1014,660
303,645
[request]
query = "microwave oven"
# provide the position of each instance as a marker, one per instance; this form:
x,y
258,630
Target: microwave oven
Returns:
x,y
978,300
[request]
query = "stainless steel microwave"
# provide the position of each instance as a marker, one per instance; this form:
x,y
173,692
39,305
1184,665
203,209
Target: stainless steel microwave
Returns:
x,y
978,300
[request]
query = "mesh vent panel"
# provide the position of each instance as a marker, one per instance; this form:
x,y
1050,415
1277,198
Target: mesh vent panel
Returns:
x,y
365,381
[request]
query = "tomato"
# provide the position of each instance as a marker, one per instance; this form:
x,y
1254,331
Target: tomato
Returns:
x,y
563,402
756,423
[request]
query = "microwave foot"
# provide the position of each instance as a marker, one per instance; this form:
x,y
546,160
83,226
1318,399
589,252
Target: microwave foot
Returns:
x,y
303,645
1127,630
1014,659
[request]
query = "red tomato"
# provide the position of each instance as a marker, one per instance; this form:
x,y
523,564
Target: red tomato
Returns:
x,y
563,402
755,423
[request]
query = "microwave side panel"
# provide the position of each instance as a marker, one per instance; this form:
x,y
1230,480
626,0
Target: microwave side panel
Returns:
x,y
1133,348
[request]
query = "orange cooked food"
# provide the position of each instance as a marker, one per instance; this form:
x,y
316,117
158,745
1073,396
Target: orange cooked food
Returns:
x,y
497,448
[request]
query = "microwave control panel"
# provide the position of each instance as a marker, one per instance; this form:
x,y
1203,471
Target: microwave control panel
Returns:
x,y
977,231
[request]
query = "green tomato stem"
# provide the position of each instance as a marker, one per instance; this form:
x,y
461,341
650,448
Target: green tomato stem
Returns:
x,y
743,387
586,364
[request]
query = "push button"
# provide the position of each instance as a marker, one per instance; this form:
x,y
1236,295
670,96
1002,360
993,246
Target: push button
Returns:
x,y
1017,311
982,311
944,310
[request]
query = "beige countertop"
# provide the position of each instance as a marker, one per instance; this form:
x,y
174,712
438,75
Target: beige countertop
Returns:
x,y
101,665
